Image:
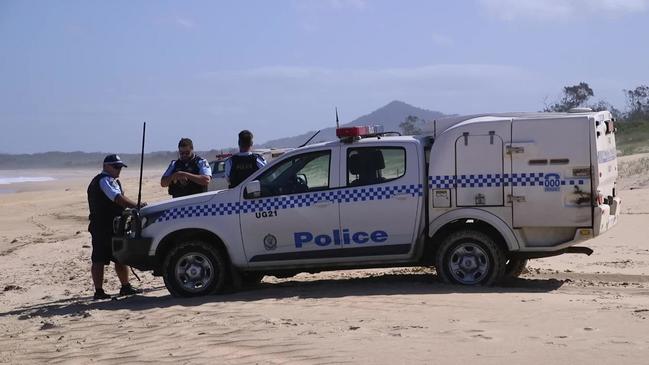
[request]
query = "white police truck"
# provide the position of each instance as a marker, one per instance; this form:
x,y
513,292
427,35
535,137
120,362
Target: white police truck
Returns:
x,y
476,199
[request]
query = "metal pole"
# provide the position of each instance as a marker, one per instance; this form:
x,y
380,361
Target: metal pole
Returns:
x,y
139,193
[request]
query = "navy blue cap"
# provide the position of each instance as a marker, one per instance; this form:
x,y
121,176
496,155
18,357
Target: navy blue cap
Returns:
x,y
114,160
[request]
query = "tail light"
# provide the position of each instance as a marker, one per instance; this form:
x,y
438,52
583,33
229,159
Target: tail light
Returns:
x,y
599,198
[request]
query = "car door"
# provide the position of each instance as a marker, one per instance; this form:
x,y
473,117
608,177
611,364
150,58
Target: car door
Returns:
x,y
382,198
297,213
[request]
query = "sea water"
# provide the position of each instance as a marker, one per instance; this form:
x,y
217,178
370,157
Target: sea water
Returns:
x,y
20,179
6,182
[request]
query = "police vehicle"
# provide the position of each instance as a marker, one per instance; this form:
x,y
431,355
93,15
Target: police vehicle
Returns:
x,y
476,199
220,182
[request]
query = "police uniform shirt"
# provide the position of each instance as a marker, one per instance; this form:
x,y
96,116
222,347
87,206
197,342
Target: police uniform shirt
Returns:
x,y
228,163
203,166
110,187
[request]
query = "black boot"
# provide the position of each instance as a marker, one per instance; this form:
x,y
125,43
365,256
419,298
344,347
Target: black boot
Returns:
x,y
101,294
127,289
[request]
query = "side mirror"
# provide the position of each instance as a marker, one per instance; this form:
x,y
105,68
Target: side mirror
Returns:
x,y
302,178
253,189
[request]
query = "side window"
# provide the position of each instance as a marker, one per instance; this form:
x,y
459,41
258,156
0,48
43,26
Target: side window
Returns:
x,y
373,165
220,166
299,174
217,167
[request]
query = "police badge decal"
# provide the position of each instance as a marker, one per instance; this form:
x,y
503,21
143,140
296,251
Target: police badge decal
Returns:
x,y
270,242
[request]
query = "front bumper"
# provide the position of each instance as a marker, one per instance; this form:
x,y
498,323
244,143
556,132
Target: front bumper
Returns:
x,y
133,252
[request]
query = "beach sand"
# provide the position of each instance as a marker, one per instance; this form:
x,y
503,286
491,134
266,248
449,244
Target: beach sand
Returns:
x,y
570,309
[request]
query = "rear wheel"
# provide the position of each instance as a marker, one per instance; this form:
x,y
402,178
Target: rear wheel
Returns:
x,y
194,269
470,258
515,267
251,278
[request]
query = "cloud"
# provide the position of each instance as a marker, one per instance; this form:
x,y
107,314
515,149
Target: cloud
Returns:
x,y
511,10
449,85
478,71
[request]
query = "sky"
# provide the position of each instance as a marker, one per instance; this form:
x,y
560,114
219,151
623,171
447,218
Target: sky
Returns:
x,y
83,75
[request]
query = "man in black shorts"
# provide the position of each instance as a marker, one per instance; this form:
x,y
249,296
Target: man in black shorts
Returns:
x,y
107,201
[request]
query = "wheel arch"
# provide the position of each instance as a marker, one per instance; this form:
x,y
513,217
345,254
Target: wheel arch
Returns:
x,y
186,234
475,219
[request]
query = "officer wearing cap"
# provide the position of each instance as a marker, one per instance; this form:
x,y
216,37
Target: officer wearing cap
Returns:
x,y
106,200
189,174
244,163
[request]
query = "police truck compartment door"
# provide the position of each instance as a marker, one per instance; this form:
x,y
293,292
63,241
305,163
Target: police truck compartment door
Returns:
x,y
297,215
480,167
382,198
550,180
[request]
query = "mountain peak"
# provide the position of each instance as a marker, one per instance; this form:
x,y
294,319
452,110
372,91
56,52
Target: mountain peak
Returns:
x,y
389,115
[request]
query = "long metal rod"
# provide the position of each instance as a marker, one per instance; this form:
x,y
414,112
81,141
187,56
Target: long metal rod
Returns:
x,y
309,140
139,193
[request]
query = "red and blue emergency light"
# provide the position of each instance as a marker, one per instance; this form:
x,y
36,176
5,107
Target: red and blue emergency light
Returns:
x,y
358,131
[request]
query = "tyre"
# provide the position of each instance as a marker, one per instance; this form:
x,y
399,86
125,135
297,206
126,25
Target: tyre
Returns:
x,y
515,267
251,278
470,258
194,269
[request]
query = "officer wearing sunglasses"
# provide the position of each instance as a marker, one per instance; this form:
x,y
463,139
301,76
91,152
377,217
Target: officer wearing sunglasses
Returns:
x,y
189,174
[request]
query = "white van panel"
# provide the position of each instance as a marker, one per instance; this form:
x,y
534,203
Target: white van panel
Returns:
x,y
545,157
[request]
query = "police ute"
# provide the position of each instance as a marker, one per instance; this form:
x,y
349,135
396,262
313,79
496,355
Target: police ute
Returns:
x,y
475,198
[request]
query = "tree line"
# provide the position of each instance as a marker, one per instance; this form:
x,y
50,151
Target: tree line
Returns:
x,y
575,96
578,96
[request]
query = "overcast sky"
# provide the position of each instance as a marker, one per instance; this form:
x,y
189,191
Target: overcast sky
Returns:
x,y
83,75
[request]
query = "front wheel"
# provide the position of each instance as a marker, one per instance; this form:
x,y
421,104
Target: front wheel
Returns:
x,y
194,269
470,258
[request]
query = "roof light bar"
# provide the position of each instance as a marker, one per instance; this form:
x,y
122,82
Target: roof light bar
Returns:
x,y
358,131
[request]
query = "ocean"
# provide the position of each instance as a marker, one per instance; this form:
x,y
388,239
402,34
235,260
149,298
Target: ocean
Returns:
x,y
20,179
8,182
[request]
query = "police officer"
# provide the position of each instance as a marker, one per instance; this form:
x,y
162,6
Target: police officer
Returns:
x,y
244,163
189,174
106,200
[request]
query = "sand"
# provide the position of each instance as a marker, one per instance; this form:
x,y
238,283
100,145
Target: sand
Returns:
x,y
570,309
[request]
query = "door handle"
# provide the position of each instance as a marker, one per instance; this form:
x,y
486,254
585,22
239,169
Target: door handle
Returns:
x,y
323,203
402,196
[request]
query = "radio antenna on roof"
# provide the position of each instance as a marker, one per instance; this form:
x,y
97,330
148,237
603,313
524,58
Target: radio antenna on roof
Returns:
x,y
337,122
139,190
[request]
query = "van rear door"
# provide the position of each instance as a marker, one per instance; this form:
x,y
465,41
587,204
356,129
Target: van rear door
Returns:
x,y
606,204
550,181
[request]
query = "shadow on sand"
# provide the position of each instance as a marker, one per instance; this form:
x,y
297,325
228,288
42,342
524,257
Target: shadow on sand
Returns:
x,y
383,284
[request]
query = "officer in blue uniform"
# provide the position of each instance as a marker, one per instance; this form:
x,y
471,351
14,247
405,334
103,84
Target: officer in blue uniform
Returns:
x,y
189,174
106,200
244,163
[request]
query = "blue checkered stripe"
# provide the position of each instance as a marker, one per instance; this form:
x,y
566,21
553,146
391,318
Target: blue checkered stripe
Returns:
x,y
293,201
574,182
494,180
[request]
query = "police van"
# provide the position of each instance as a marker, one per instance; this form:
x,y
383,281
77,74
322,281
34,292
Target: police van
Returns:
x,y
476,198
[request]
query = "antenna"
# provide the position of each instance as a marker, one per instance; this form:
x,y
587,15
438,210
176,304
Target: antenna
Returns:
x,y
139,192
337,123
435,128
309,140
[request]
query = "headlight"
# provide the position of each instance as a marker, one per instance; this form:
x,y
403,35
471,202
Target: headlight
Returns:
x,y
117,226
128,226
